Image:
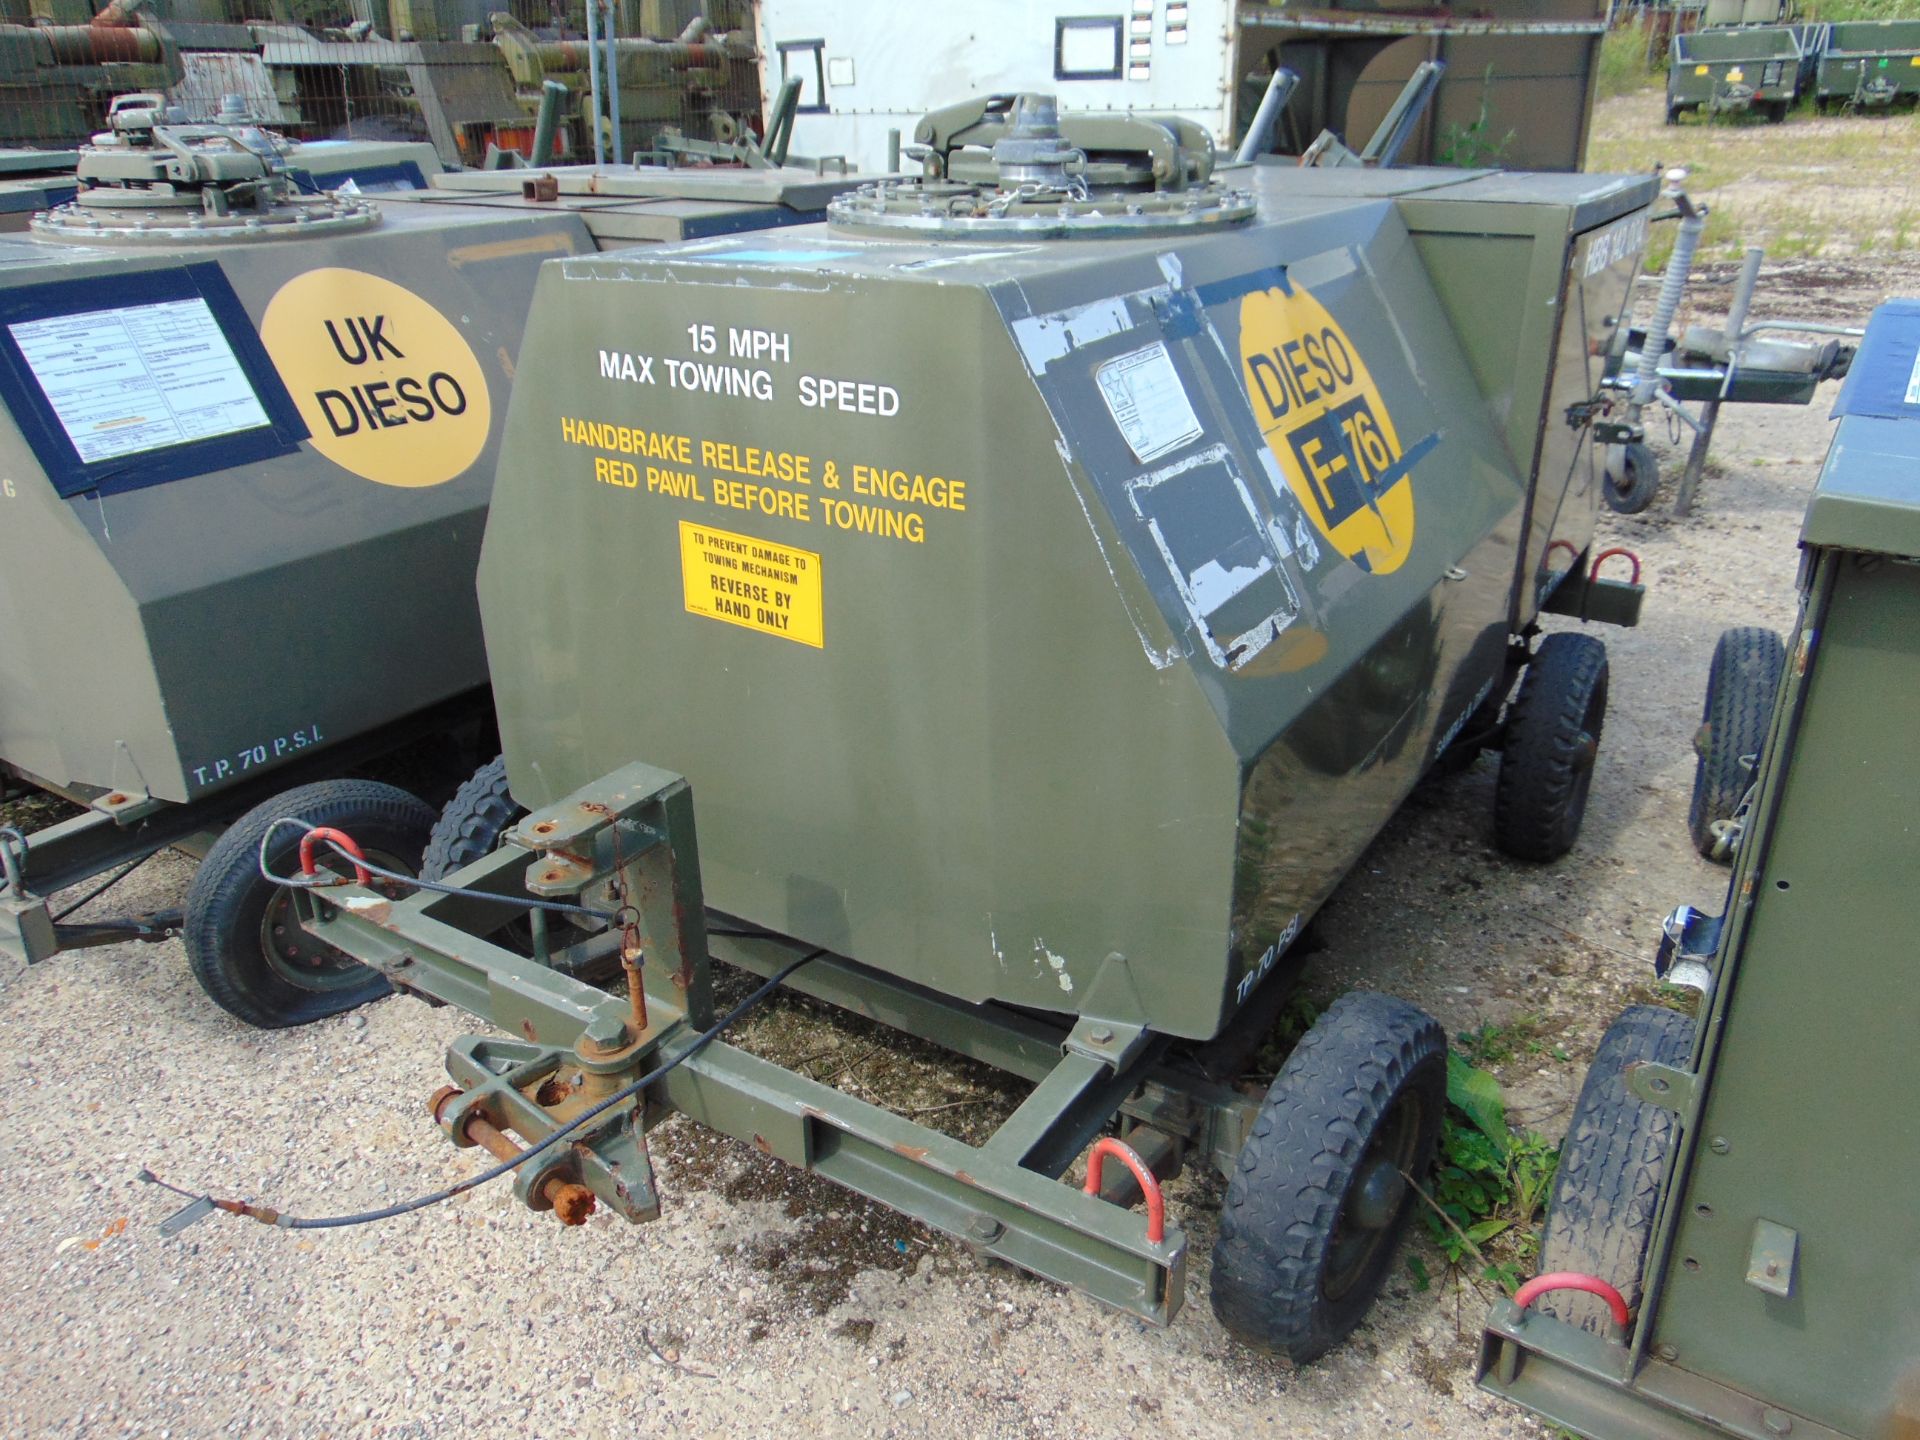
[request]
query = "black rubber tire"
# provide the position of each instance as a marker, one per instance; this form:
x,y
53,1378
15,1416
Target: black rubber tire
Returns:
x,y
1673,114
1552,742
1638,482
1777,111
1372,1068
1612,1164
1741,685
228,902
470,828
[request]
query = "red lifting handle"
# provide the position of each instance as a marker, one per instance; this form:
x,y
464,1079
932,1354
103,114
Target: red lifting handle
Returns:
x,y
1573,1280
1150,1187
339,837
1593,572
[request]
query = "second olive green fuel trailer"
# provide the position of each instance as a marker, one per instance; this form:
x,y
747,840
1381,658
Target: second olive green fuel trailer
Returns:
x,y
1048,576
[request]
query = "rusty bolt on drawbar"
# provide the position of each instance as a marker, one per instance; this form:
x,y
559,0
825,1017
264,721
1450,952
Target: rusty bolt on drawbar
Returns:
x,y
572,1203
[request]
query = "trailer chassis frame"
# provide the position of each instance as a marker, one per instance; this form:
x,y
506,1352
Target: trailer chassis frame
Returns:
x,y
626,844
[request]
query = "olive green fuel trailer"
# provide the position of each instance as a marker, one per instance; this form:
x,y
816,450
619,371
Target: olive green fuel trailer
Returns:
x,y
1746,1185
249,430
1047,576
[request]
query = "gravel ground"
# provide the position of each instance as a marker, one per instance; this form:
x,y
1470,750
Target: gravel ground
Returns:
x,y
765,1302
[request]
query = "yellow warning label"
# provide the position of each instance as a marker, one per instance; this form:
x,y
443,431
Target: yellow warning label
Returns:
x,y
388,387
774,589
1327,424
1736,75
1701,69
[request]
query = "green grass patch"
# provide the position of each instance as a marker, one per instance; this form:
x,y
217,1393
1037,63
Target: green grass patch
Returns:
x,y
1489,1183
1623,63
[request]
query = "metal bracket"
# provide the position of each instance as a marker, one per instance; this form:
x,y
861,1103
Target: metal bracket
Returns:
x,y
535,1089
1663,1086
1770,1262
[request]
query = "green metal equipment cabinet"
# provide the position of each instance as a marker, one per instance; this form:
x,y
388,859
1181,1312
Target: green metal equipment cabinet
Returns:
x,y
1754,1183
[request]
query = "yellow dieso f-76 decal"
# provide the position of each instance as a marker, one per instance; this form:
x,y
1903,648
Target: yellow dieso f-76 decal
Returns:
x,y
757,584
388,387
1327,425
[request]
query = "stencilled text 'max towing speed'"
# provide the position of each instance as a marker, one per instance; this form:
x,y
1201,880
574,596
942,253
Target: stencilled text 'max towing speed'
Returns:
x,y
712,372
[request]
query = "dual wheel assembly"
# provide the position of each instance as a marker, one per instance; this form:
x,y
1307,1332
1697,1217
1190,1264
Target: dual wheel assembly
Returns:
x,y
1326,1182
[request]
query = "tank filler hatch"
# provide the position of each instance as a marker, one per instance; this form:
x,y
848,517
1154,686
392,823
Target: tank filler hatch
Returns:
x,y
1010,165
152,179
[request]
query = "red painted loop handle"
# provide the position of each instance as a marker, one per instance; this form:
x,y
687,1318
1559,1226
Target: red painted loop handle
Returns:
x,y
1605,555
1149,1186
339,837
1573,1280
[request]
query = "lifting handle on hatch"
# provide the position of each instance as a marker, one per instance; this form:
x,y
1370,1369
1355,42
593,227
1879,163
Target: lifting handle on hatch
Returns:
x,y
339,837
1149,1186
1574,1280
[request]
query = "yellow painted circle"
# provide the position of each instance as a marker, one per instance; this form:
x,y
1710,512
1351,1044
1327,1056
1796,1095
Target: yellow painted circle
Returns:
x,y
1328,426
389,389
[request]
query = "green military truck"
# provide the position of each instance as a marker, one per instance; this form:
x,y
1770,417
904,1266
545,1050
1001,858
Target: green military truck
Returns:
x,y
1732,1239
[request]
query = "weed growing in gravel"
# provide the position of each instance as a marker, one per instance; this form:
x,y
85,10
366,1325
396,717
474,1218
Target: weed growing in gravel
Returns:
x,y
1489,1182
1493,1044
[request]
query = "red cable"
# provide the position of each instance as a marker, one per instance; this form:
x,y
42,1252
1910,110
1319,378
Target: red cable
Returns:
x,y
1573,1280
343,840
1150,1187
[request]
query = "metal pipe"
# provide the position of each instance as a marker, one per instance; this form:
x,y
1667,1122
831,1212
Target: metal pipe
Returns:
x,y
593,80
1386,143
552,92
1267,118
568,55
780,121
93,44
893,151
611,52
1710,411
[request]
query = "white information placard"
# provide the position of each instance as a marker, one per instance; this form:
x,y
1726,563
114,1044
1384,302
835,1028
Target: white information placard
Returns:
x,y
140,377
1148,402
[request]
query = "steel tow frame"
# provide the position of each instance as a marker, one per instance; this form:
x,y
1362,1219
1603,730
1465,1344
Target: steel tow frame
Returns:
x,y
626,845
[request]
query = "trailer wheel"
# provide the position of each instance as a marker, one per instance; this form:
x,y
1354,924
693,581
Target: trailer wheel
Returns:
x,y
1777,111
243,943
1600,1216
1319,1197
1638,482
1553,739
1741,684
1673,114
470,828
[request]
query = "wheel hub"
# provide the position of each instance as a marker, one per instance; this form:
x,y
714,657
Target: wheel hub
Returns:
x,y
299,959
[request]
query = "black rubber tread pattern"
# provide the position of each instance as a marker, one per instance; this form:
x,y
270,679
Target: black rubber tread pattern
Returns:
x,y
1741,685
1612,1163
228,897
1541,796
1638,483
1292,1175
470,828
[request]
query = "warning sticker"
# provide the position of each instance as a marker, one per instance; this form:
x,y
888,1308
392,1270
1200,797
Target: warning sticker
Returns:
x,y
1148,402
388,385
756,584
